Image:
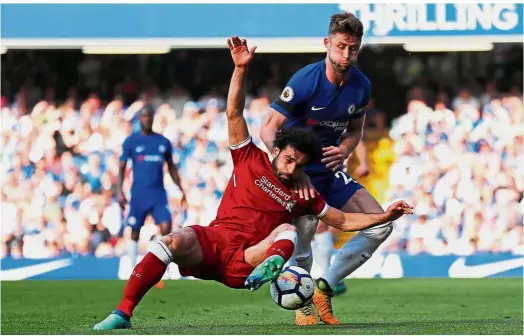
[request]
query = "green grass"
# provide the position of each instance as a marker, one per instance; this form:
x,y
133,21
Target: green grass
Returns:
x,y
400,306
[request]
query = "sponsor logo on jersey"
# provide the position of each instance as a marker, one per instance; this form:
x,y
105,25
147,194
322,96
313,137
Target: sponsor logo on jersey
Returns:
x,y
287,95
335,125
150,158
276,193
140,149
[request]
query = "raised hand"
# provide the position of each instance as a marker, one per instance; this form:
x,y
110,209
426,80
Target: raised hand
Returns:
x,y
240,52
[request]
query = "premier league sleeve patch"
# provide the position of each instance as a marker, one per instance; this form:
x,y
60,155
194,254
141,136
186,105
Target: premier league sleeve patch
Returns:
x,y
287,95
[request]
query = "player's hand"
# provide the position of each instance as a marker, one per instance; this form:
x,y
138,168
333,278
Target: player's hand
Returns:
x,y
397,210
183,202
122,201
304,187
240,53
362,170
333,157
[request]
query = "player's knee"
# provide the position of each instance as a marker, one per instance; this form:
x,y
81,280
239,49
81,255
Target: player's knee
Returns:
x,y
161,250
165,228
306,227
135,234
176,240
285,227
379,233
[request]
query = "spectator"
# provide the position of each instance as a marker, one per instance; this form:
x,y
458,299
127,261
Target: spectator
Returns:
x,y
460,171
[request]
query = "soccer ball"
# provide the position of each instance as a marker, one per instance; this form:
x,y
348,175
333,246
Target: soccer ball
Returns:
x,y
293,289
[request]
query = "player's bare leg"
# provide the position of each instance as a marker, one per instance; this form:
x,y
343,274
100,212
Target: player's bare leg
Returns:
x,y
270,255
165,229
181,247
352,255
303,257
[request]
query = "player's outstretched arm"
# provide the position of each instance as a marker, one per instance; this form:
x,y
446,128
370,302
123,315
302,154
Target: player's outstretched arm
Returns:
x,y
348,222
242,56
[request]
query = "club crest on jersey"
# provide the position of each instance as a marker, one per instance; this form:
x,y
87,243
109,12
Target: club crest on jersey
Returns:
x,y
351,109
287,95
161,148
290,204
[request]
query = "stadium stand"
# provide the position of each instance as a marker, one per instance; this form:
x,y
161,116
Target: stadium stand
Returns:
x,y
457,160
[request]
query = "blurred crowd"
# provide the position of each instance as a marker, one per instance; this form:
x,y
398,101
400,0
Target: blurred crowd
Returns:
x,y
60,168
461,164
458,160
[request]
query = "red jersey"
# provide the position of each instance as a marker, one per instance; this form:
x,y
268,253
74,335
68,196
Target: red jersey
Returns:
x,y
255,202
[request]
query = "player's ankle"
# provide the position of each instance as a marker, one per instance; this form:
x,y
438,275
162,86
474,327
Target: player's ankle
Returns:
x,y
122,314
324,286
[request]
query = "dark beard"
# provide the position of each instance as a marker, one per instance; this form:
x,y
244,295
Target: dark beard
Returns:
x,y
288,183
338,68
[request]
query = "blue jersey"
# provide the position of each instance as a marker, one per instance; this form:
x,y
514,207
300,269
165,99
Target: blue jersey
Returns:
x,y
311,101
148,154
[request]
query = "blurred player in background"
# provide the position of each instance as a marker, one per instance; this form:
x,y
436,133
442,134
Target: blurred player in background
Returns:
x,y
148,152
330,98
249,242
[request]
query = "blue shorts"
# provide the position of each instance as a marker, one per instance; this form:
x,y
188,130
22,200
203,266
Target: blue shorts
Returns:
x,y
140,207
336,188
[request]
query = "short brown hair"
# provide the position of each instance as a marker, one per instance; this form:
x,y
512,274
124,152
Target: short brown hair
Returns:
x,y
346,23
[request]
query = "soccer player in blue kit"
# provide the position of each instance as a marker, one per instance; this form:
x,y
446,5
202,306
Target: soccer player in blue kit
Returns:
x,y
148,152
330,97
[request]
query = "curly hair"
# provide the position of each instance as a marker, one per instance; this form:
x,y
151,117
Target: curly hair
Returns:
x,y
301,139
346,23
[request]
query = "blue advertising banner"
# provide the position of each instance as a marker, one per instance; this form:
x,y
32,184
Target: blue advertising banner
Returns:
x,y
384,23
390,265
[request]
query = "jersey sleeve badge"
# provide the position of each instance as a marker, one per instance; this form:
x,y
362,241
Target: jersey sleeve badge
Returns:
x,y
287,95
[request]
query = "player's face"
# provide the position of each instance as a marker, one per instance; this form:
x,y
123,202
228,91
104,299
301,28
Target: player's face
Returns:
x,y
342,51
146,121
288,164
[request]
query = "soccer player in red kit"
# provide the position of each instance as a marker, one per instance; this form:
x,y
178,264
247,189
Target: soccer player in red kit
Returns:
x,y
249,242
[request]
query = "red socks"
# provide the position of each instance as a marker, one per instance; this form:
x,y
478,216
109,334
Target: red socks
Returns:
x,y
145,275
284,245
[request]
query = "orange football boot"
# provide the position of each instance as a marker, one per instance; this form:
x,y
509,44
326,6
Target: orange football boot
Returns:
x,y
322,301
160,284
305,316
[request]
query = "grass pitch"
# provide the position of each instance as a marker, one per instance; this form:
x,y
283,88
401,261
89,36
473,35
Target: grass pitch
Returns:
x,y
374,306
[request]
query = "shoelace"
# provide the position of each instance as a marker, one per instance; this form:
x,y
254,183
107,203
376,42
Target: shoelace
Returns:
x,y
327,305
328,299
307,310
